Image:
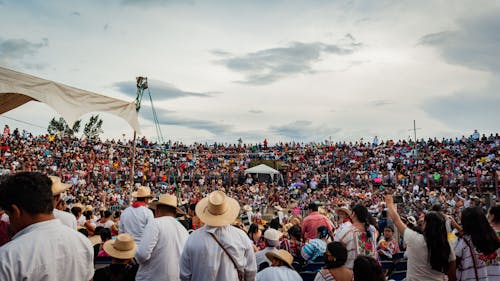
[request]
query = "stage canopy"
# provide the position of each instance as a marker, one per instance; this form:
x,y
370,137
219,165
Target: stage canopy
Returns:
x,y
18,88
262,169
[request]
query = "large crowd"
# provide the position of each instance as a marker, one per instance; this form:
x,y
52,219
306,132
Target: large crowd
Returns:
x,y
423,210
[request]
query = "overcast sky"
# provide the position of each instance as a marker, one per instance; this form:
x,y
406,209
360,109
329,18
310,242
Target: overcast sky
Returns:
x,y
282,70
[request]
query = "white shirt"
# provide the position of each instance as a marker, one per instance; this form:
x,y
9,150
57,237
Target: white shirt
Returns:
x,y
108,224
260,256
66,218
419,267
48,251
81,220
160,249
278,273
133,220
204,260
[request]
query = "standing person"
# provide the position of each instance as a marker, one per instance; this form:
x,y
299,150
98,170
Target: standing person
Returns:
x,y
57,188
218,251
335,269
314,220
42,247
122,267
134,218
281,268
477,249
430,256
162,243
359,237
344,221
247,216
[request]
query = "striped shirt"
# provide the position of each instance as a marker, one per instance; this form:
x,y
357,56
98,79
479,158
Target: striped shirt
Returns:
x,y
487,267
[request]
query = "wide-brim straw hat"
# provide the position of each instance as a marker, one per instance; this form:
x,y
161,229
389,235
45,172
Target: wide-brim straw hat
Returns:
x,y
122,248
217,209
96,239
282,255
58,186
344,209
247,208
142,192
167,200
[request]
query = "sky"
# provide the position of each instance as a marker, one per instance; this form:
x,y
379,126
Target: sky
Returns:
x,y
281,70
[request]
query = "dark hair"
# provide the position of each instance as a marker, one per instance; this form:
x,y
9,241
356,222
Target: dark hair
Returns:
x,y
254,228
389,227
76,210
363,216
436,239
495,212
98,229
29,191
313,207
339,251
322,232
87,214
367,269
295,231
192,207
105,234
482,234
437,208
84,231
117,214
107,214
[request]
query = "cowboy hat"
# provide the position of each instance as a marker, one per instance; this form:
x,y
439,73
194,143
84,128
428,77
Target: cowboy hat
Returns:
x,y
343,209
217,209
122,248
167,200
252,189
57,186
281,255
247,208
96,239
142,192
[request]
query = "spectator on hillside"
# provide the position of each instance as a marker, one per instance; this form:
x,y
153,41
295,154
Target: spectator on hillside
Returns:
x,y
134,218
314,220
122,267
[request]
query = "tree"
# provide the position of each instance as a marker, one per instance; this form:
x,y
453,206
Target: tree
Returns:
x,y
61,128
93,128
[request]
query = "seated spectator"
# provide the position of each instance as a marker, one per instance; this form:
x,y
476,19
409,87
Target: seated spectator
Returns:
x,y
314,250
122,267
366,268
293,244
272,241
281,268
335,269
387,245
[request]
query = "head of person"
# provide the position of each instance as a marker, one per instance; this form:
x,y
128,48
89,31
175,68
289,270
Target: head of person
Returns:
x,y
367,269
107,214
105,234
476,225
57,188
344,214
336,255
360,214
295,232
76,211
388,232
272,237
494,215
26,197
280,258
143,194
88,214
122,249
312,207
436,238
191,210
322,232
166,205
254,232
217,209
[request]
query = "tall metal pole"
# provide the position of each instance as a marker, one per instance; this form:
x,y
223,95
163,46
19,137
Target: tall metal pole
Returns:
x,y
132,161
414,130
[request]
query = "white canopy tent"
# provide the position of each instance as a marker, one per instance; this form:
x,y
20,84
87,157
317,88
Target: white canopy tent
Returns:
x,y
18,88
263,169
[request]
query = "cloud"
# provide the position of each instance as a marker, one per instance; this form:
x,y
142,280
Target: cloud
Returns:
x,y
168,117
467,110
269,65
76,13
106,27
16,49
159,90
255,111
473,44
380,103
304,130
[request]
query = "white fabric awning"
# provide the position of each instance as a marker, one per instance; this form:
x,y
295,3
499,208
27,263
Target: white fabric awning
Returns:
x,y
18,88
262,169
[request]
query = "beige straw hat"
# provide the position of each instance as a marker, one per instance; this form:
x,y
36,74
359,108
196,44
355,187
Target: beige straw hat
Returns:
x,y
247,208
122,248
343,209
167,200
217,209
57,186
281,255
142,192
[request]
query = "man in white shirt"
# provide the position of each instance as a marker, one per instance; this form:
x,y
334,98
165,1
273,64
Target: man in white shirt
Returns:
x,y
134,218
281,269
57,188
42,247
162,242
217,251
272,241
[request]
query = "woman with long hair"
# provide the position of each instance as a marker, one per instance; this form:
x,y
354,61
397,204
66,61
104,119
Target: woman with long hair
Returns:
x,y
255,234
430,256
477,248
335,269
367,269
360,237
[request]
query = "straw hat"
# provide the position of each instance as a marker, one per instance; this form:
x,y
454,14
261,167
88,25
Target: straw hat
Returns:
x,y
96,239
252,189
217,209
142,192
343,209
247,208
57,186
167,200
122,248
282,255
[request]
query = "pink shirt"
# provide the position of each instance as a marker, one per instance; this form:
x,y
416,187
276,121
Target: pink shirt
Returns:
x,y
311,224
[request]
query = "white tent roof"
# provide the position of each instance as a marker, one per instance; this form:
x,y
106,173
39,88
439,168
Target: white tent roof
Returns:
x,y
17,88
262,169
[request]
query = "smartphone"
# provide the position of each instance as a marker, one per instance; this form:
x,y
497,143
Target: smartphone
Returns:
x,y
398,199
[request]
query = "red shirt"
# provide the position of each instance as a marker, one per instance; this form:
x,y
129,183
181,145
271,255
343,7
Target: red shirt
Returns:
x,y
311,224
